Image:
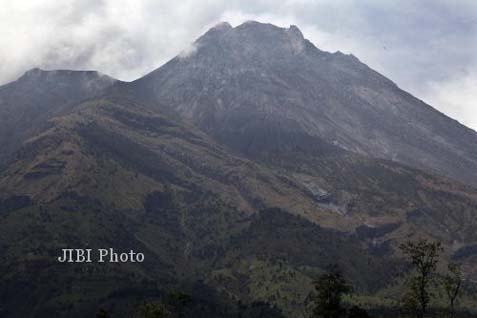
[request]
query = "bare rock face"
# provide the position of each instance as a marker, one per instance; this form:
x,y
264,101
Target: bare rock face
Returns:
x,y
258,79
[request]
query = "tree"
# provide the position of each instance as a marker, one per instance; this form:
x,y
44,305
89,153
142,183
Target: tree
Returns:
x,y
329,290
260,309
102,313
423,256
452,283
241,309
153,310
357,312
179,300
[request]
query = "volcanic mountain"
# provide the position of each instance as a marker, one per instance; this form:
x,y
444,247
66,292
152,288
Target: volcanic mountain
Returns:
x,y
241,169
260,80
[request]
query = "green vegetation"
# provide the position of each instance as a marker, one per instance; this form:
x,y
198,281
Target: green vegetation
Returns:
x,y
423,256
179,301
153,310
114,172
329,289
102,313
452,283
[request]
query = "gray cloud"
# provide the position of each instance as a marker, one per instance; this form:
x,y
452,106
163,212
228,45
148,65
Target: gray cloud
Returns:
x,y
427,47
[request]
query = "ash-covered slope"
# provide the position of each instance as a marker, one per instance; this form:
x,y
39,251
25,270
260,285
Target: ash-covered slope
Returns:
x,y
27,103
260,89
115,172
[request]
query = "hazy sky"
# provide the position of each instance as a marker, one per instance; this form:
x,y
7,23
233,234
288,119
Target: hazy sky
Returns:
x,y
428,47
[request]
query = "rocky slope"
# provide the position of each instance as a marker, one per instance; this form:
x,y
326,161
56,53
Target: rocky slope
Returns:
x,y
261,80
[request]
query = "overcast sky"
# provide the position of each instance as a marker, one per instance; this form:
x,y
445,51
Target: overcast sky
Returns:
x,y
427,47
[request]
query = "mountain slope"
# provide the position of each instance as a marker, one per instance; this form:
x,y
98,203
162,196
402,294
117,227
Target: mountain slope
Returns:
x,y
258,79
115,172
240,170
27,103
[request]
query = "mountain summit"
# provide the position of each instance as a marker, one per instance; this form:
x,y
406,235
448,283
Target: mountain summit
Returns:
x,y
254,79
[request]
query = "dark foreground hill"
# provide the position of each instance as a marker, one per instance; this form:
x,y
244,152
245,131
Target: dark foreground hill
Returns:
x,y
240,171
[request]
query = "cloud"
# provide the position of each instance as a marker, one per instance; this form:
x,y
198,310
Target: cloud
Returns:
x,y
427,47
188,51
123,38
456,97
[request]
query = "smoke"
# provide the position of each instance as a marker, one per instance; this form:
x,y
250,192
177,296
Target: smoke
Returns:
x,y
188,51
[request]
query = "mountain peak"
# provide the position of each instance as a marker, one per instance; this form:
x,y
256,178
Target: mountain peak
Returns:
x,y
251,24
255,26
258,77
268,28
39,71
36,71
90,77
252,38
224,25
293,29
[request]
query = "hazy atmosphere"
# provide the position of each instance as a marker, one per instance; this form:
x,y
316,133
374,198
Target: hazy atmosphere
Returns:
x,y
252,158
426,47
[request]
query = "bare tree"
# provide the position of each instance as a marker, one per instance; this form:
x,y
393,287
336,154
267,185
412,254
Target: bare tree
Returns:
x,y
424,256
452,283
